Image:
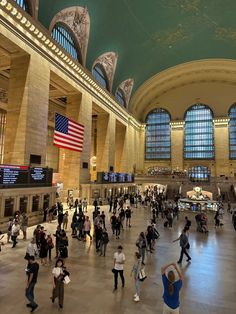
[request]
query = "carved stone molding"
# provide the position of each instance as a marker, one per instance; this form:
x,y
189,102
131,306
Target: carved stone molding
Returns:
x,y
3,95
108,61
127,86
77,19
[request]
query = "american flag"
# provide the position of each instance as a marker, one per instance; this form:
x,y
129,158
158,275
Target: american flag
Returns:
x,y
68,133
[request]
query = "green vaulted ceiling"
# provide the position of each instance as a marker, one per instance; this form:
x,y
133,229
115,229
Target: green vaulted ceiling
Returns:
x,y
153,35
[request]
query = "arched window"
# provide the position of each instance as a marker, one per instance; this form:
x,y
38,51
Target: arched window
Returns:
x,y
232,132
158,144
65,38
24,5
100,75
120,97
199,133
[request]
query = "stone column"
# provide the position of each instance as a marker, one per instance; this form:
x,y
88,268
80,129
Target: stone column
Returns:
x,y
121,148
105,142
177,145
27,113
78,108
221,133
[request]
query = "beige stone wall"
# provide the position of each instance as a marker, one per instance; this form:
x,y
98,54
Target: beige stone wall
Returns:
x,y
177,147
222,162
52,155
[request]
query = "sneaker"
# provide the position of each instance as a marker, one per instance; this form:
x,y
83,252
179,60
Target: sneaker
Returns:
x,y
114,290
34,308
29,305
189,259
135,296
137,299
179,262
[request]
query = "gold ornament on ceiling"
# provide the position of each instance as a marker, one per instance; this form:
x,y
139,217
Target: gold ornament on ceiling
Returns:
x,y
227,34
172,36
185,5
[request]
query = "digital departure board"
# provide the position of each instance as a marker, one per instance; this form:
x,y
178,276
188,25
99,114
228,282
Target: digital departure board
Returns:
x,y
14,175
114,177
23,176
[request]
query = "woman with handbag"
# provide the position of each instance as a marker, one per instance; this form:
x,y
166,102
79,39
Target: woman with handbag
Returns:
x,y
135,272
59,273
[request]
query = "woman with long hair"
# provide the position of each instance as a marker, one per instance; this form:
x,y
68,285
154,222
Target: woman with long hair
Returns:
x,y
172,285
59,272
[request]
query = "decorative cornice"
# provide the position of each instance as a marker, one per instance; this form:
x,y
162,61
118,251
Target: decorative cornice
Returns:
x,y
177,125
221,122
36,36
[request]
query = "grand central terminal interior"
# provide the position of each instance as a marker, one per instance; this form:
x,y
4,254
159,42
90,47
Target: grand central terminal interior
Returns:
x,y
118,156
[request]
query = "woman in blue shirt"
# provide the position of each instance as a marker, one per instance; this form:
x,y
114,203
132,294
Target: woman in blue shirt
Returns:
x,y
172,288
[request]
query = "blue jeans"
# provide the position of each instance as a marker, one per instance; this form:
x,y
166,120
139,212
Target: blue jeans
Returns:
x,y
29,293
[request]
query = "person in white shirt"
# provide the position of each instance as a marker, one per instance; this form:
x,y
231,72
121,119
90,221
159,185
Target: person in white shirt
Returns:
x,y
58,273
15,230
119,260
87,228
84,205
32,249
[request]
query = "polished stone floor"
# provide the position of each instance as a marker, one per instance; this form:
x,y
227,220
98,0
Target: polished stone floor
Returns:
x,y
209,281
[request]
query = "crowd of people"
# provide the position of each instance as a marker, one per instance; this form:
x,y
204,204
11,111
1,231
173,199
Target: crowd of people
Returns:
x,y
103,229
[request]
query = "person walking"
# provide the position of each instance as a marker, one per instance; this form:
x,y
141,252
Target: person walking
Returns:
x,y
103,242
59,272
50,247
119,260
184,244
24,224
172,286
128,217
32,276
87,228
141,244
43,249
65,220
135,272
15,230
32,249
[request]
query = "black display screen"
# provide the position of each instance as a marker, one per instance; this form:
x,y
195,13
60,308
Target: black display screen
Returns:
x,y
23,176
13,175
122,177
38,175
114,177
129,178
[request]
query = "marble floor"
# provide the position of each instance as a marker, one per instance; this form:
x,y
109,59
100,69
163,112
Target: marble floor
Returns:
x,y
209,281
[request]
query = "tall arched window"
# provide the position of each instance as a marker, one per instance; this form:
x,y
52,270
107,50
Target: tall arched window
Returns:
x,y
100,75
24,5
199,133
232,132
120,97
158,144
65,38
